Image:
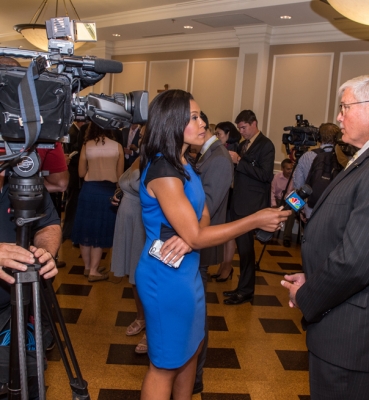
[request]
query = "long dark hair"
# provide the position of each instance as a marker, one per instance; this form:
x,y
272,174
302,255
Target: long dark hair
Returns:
x,y
94,132
228,128
169,114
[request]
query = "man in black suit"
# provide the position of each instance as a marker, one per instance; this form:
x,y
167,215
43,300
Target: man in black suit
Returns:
x,y
333,293
251,193
216,173
129,141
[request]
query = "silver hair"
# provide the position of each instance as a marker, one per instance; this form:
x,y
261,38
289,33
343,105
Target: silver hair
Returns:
x,y
359,87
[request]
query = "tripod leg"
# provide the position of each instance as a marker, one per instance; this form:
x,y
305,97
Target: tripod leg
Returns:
x,y
78,384
21,341
38,336
257,265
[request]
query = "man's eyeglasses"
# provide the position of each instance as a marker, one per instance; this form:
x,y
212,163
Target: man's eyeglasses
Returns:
x,y
345,107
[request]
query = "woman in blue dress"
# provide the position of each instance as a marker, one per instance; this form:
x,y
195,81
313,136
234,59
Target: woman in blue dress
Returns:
x,y
173,202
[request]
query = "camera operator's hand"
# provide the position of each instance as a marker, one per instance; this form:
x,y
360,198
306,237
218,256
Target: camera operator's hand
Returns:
x,y
49,269
14,257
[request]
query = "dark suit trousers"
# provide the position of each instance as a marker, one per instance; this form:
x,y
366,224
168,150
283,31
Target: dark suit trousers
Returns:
x,y
330,382
245,247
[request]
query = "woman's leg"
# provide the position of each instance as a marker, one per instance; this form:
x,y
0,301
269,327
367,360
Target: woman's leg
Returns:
x,y
96,254
185,378
226,266
140,311
158,383
86,255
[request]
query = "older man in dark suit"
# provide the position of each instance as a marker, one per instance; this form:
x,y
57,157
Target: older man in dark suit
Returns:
x,y
333,293
216,173
251,193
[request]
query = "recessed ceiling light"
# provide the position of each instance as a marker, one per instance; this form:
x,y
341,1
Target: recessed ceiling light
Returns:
x,y
116,34
188,27
285,17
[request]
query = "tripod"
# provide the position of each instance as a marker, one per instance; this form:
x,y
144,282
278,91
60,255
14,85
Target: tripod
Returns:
x,y
26,194
299,151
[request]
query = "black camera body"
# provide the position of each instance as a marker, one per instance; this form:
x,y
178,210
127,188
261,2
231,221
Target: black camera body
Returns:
x,y
303,134
38,104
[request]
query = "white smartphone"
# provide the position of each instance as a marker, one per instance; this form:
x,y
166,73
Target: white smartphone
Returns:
x,y
154,251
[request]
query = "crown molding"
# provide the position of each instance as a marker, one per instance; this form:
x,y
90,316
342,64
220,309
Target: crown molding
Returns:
x,y
195,7
177,43
317,33
248,35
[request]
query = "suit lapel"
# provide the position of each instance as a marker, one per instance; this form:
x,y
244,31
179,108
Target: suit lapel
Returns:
x,y
255,143
208,152
342,175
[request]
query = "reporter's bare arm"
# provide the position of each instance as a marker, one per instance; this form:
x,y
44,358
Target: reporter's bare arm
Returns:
x,y
171,197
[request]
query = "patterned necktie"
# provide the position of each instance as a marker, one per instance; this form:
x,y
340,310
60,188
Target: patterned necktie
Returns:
x,y
244,147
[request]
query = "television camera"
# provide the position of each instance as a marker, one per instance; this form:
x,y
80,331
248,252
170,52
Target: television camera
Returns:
x,y
39,103
301,136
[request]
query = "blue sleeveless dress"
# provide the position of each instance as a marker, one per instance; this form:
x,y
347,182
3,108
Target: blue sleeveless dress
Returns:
x,y
173,299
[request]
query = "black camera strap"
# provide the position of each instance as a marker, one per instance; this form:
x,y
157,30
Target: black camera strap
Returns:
x,y
29,107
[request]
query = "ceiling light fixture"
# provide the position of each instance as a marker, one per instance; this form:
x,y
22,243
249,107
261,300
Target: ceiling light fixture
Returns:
x,y
356,10
285,17
188,27
116,34
36,33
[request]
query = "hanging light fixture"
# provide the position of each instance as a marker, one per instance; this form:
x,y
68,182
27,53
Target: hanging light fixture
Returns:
x,y
356,10
35,33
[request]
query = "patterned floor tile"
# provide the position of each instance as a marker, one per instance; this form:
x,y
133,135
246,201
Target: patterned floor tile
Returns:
x,y
290,266
71,315
265,300
74,290
77,270
221,358
124,354
224,396
127,293
116,394
293,360
217,323
260,280
212,298
125,318
279,253
279,326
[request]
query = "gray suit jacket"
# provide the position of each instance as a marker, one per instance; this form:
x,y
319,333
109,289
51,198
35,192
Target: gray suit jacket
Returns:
x,y
335,253
216,168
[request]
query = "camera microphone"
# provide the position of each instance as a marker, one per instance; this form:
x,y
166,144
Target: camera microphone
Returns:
x,y
294,201
98,65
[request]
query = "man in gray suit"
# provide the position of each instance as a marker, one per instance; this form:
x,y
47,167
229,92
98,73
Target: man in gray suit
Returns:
x,y
333,294
216,168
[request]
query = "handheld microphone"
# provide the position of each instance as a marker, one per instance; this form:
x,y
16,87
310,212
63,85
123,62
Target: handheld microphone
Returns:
x,y
294,201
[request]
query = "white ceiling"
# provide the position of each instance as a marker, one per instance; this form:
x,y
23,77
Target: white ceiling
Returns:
x,y
139,19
